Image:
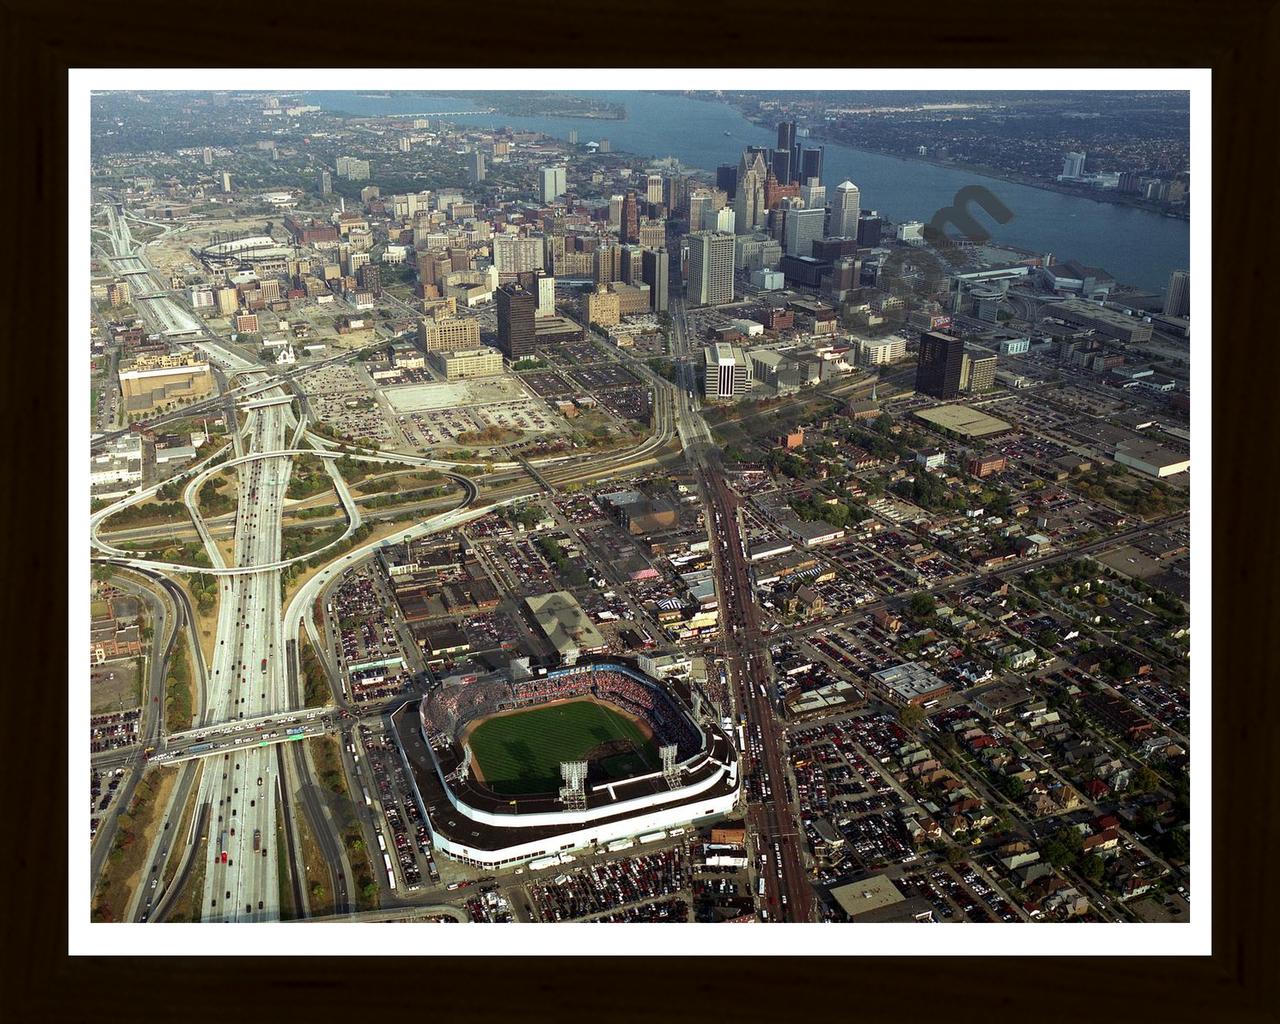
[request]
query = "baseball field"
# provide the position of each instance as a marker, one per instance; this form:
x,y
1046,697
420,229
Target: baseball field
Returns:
x,y
519,753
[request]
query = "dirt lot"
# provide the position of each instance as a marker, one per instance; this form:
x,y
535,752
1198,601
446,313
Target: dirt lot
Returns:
x,y
113,686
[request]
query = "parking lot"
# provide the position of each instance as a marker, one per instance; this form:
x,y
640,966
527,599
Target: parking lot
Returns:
x,y
365,636
607,887
115,730
402,835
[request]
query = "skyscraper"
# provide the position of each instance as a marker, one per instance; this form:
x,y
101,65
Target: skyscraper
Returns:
x,y
653,190
845,206
727,179
655,269
710,268
801,229
1073,165
629,227
326,183
811,164
939,365
784,157
546,296
721,220
553,183
814,194
208,156
748,206
516,311
780,164
226,181
1177,300
477,165
573,136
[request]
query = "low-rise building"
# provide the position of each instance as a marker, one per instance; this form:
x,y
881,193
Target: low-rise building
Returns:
x,y
466,363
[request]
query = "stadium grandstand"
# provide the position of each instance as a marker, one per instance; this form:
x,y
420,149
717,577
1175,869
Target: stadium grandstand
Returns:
x,y
509,770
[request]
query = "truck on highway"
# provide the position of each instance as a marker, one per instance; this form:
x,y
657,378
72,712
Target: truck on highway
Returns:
x,y
199,748
257,840
264,664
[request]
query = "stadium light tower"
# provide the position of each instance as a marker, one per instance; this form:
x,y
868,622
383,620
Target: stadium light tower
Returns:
x,y
573,793
670,770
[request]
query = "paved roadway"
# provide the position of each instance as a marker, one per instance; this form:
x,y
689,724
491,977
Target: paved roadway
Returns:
x,y
773,820
248,681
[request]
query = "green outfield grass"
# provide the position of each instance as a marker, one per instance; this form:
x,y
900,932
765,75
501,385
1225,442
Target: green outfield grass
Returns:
x,y
521,753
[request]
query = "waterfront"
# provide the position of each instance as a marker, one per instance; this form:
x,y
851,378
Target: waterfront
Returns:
x,y
1136,246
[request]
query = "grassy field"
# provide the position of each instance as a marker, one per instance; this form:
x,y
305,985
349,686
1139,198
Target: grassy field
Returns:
x,y
522,753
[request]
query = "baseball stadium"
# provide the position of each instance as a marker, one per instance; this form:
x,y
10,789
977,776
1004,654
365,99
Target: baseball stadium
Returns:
x,y
512,770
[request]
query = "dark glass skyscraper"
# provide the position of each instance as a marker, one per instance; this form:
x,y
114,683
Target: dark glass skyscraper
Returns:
x,y
516,310
811,164
939,365
786,164
726,182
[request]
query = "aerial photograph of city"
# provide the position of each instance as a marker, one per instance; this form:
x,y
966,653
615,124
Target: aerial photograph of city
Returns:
x,y
703,506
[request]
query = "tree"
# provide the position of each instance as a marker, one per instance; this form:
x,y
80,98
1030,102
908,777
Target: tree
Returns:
x,y
1144,780
955,856
1092,868
922,605
910,716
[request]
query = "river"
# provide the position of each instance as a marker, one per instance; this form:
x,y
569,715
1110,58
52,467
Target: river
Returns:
x,y
1136,246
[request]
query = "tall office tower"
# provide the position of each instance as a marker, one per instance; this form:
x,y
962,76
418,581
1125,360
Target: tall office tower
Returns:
x,y
477,165
814,194
655,269
1073,165
801,229
615,211
846,204
780,165
721,220
604,146
516,311
653,190
710,268
208,156
869,229
326,183
727,372
573,136
629,226
786,135
786,164
677,188
553,183
940,364
1177,300
700,200
810,163
406,144
748,206
629,264
727,179
606,263
226,181
546,296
